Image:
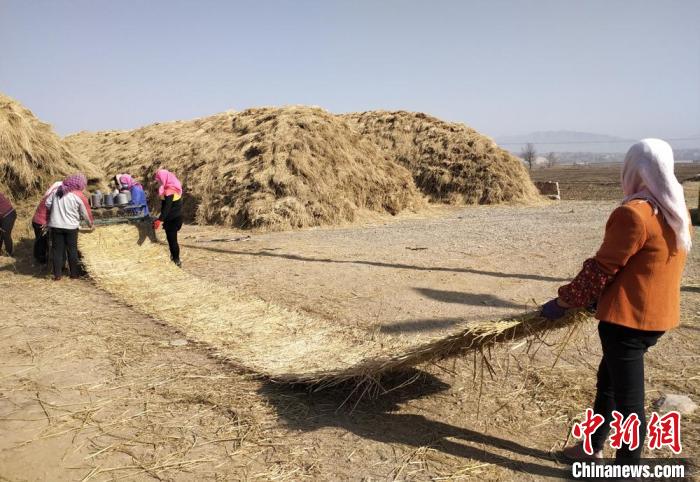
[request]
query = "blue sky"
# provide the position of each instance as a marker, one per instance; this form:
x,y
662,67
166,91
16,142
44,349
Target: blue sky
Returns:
x,y
625,68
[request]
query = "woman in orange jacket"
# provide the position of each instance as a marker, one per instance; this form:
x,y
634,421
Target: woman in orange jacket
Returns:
x,y
634,279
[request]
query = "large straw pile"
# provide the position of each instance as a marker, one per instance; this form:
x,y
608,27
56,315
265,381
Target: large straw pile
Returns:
x,y
31,155
277,168
269,340
272,168
450,162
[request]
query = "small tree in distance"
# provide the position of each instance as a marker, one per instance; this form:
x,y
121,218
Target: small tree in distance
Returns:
x,y
552,159
529,154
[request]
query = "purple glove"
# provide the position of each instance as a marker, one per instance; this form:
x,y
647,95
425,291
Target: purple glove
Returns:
x,y
552,311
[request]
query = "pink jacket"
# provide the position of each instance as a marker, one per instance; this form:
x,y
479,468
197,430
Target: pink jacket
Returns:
x,y
41,214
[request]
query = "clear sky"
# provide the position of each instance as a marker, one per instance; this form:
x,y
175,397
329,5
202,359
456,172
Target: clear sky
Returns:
x,y
626,68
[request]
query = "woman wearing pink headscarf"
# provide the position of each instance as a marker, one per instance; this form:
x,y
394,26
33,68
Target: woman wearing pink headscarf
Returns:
x,y
138,195
634,280
170,193
67,206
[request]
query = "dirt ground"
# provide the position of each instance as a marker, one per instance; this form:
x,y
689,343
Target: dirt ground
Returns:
x,y
92,390
417,274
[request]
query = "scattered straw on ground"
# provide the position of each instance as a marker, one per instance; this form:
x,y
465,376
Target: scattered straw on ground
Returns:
x,y
32,156
270,340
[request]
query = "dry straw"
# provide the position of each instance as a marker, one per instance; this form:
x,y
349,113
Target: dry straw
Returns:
x,y
261,168
272,341
32,156
297,166
450,162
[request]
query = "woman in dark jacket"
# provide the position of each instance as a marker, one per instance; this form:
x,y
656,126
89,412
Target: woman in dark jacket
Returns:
x,y
170,192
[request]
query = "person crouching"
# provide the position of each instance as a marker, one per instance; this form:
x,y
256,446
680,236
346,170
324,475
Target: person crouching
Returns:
x,y
138,195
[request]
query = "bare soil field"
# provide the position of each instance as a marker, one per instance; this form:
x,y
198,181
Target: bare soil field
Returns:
x,y
597,181
92,390
418,273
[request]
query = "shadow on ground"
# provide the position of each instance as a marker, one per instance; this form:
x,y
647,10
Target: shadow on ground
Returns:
x,y
377,419
457,297
380,264
24,262
474,299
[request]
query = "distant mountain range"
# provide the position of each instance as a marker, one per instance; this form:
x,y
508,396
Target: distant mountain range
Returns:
x,y
573,146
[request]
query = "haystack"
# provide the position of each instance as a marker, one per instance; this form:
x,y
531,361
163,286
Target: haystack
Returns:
x,y
32,156
269,168
270,340
292,167
450,163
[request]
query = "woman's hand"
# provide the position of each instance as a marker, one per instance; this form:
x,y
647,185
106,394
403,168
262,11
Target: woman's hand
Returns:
x,y
554,309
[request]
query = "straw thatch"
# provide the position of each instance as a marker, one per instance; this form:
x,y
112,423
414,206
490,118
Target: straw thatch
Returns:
x,y
31,155
272,341
273,168
450,162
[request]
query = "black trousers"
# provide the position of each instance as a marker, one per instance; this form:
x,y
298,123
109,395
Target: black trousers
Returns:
x,y
6,225
172,226
65,240
41,244
621,381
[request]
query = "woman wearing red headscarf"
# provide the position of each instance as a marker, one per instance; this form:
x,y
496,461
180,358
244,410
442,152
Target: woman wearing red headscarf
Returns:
x,y
170,192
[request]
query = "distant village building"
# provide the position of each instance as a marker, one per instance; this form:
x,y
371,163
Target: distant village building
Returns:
x,y
540,161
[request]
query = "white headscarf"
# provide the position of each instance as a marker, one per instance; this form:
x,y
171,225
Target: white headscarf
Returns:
x,y
648,174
